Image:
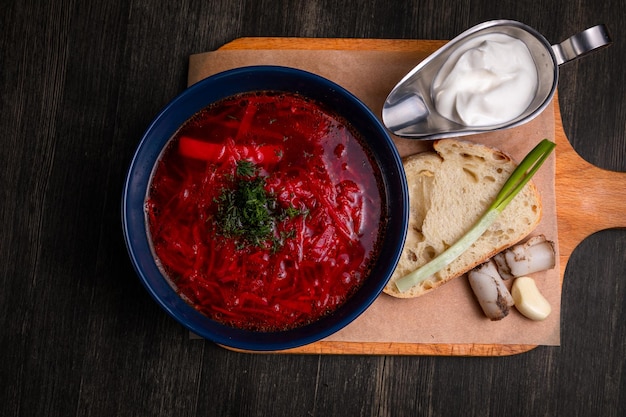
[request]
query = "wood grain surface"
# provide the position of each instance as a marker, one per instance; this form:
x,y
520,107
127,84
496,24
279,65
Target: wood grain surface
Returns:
x,y
79,336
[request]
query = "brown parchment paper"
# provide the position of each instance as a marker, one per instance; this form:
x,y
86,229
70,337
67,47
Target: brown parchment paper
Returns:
x,y
449,314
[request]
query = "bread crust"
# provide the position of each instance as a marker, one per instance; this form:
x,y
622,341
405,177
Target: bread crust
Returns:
x,y
449,189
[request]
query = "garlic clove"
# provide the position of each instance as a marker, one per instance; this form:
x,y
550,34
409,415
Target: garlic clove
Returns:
x,y
528,300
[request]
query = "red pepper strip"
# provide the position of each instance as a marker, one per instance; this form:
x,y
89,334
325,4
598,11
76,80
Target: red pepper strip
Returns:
x,y
215,152
198,149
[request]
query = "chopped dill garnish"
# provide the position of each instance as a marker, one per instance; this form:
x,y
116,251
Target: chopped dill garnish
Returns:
x,y
245,211
292,212
248,212
246,168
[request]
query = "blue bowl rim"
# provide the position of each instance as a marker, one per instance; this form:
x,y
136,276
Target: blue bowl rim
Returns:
x,y
139,173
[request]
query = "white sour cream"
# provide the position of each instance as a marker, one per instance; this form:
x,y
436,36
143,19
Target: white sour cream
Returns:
x,y
488,80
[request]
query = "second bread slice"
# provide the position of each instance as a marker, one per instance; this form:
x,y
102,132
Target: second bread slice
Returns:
x,y
449,189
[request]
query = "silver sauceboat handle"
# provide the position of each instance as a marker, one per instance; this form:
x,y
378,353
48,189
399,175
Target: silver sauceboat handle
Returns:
x,y
581,43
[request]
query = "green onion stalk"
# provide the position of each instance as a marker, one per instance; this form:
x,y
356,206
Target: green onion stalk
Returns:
x,y
518,179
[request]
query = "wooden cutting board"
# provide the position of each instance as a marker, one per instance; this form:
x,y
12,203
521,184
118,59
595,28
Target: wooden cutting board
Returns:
x,y
602,207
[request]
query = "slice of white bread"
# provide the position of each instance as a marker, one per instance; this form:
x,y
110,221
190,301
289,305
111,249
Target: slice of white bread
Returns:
x,y
449,189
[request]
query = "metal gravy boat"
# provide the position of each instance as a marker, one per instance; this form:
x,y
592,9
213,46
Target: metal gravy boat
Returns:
x,y
410,111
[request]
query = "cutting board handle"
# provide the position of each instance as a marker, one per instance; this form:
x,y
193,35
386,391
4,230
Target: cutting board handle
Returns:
x,y
589,199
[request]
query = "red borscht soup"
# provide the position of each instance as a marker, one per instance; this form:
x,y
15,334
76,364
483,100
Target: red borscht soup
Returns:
x,y
265,211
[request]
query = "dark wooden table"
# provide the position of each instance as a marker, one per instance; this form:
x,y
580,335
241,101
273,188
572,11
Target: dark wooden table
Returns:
x,y
79,336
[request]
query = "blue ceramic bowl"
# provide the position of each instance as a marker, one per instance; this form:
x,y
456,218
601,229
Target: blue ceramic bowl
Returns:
x,y
226,84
